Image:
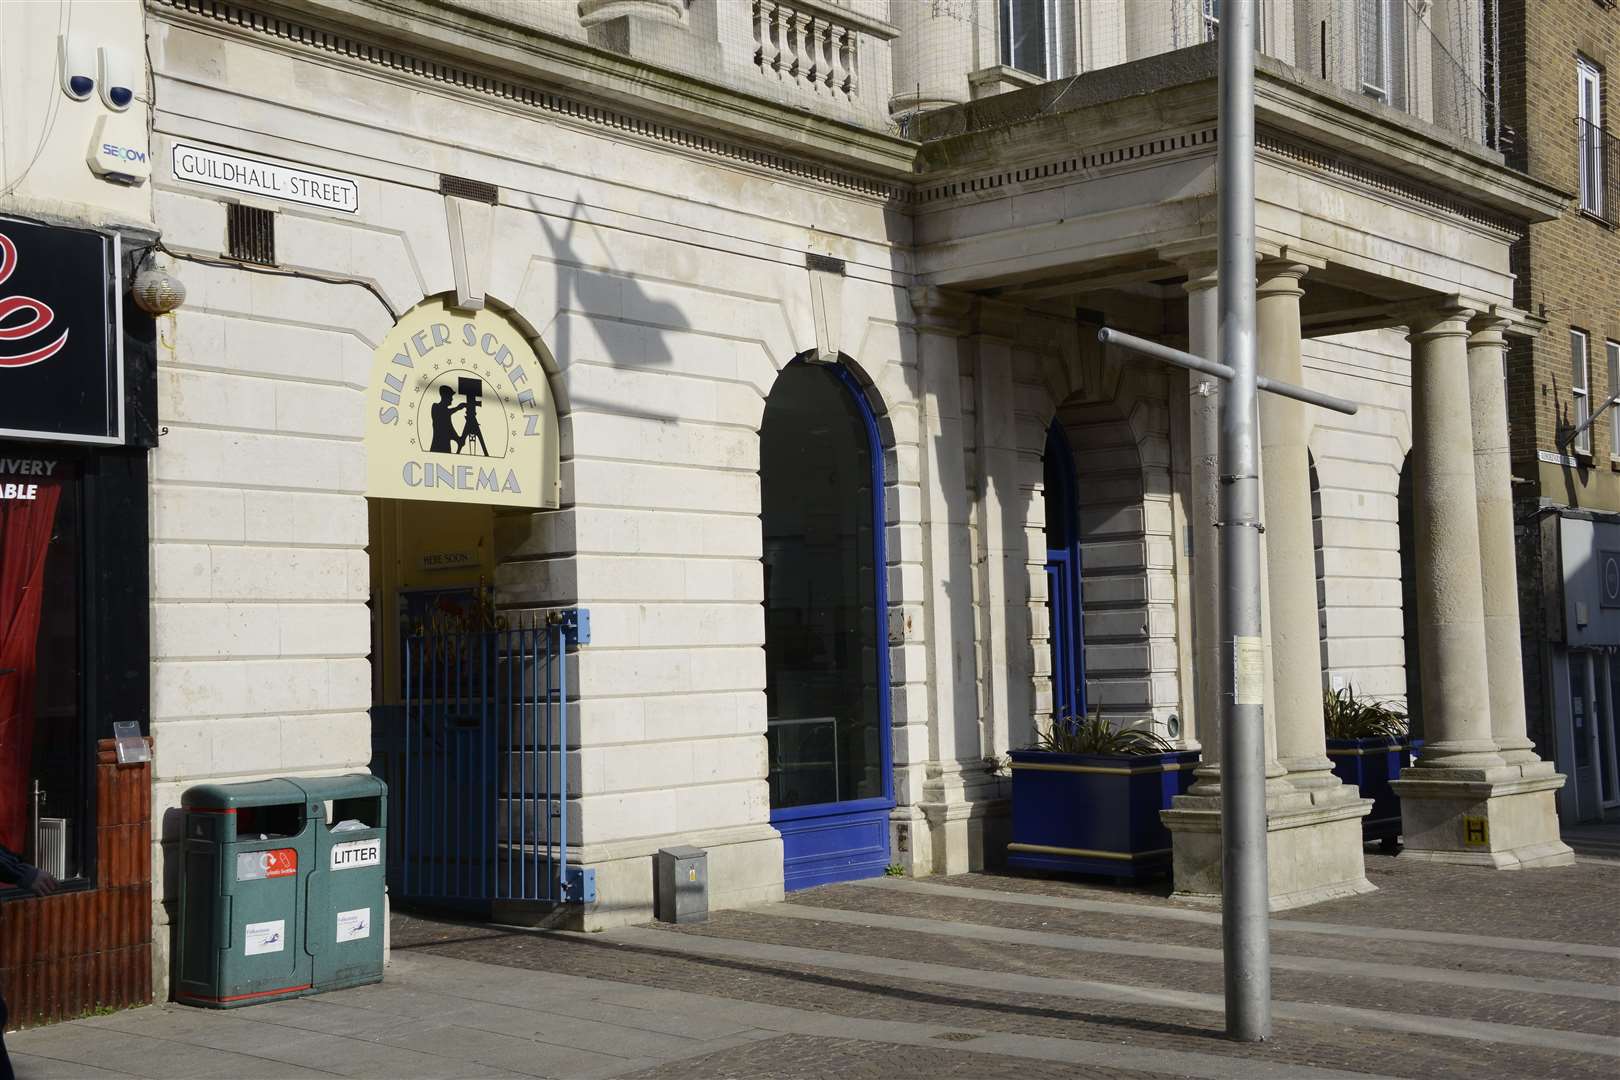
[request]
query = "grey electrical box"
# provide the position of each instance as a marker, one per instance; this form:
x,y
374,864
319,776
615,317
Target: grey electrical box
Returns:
x,y
681,885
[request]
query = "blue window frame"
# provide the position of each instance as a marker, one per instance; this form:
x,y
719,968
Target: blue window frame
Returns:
x,y
1063,577
828,729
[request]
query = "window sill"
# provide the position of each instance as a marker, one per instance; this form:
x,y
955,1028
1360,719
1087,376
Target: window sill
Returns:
x,y
1592,215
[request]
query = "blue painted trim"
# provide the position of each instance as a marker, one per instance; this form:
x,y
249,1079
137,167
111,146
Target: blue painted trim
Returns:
x,y
1063,568
836,847
847,829
821,810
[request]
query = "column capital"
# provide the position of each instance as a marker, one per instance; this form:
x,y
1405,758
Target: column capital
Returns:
x,y
998,320
1274,277
1488,329
1442,317
1199,257
939,311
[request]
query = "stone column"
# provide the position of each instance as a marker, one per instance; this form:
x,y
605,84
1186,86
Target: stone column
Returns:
x,y
1294,624
1204,439
932,57
1313,835
1451,603
1493,493
955,778
1462,802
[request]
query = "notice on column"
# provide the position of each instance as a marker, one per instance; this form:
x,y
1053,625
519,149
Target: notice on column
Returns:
x,y
1248,671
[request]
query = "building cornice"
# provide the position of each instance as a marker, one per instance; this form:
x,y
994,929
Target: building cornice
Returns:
x,y
480,54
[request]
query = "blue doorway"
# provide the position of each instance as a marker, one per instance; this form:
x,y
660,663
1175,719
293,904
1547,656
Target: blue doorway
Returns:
x,y
826,640
1063,577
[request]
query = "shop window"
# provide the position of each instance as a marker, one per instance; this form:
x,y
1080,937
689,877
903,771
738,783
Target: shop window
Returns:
x,y
825,653
46,747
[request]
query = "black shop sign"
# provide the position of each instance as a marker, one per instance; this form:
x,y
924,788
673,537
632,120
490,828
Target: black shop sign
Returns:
x,y
61,369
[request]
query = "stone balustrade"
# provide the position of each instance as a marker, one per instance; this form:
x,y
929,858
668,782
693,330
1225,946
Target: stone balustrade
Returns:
x,y
812,44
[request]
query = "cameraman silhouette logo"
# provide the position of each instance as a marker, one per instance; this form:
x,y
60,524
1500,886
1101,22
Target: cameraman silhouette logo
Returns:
x,y
444,432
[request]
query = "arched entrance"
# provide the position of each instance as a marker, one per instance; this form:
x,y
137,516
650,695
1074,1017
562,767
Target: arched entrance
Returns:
x,y
1063,577
826,648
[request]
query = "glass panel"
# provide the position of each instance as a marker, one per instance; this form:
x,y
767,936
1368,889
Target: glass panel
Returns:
x,y
1579,711
1578,390
823,678
1372,47
1023,35
1614,395
44,756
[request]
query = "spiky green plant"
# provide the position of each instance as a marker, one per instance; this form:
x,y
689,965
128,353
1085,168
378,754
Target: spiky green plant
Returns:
x,y
1346,716
1094,735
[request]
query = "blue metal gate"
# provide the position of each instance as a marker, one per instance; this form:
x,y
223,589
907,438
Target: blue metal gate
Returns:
x,y
477,768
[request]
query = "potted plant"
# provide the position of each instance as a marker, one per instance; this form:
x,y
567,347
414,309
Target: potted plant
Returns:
x,y
1369,744
1086,799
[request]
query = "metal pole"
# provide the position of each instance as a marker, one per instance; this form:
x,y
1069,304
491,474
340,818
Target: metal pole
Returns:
x,y
1245,900
1109,336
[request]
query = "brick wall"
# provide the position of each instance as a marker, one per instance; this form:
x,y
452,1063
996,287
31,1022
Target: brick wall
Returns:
x,y
1569,274
1569,268
63,956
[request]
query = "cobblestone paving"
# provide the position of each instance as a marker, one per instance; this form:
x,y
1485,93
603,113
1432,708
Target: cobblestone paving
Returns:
x,y
829,990
939,904
785,1058
1569,903
1472,1003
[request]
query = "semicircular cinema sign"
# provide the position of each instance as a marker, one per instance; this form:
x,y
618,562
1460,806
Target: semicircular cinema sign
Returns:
x,y
460,411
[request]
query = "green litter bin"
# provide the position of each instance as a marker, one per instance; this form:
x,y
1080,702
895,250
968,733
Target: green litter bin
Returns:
x,y
281,889
346,884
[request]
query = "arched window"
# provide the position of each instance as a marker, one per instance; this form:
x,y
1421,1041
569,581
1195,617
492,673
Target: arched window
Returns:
x,y
826,642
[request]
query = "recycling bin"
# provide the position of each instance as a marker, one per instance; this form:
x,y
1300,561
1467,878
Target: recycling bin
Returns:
x,y
281,889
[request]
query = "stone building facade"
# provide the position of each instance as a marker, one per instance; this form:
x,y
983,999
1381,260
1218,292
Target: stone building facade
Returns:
x,y
698,217
1557,97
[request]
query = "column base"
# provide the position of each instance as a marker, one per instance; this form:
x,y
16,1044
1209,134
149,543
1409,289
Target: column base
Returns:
x,y
1313,853
1504,818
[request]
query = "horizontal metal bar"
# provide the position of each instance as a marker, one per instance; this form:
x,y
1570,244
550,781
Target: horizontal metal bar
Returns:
x,y
1222,371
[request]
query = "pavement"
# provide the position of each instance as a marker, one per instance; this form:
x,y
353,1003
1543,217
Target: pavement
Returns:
x,y
1443,972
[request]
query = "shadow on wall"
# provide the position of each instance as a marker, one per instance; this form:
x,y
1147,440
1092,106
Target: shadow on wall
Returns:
x,y
631,322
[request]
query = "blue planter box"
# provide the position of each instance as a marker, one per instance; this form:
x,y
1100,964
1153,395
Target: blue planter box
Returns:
x,y
1094,813
1371,764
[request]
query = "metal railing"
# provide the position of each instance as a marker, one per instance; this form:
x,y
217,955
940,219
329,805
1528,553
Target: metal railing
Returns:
x,y
476,760
1599,155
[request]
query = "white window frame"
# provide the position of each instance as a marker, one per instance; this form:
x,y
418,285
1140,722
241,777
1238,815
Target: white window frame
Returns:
x,y
1613,349
1053,26
1580,374
1377,83
1210,10
1589,109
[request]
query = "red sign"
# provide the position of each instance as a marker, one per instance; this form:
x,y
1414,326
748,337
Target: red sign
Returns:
x,y
257,865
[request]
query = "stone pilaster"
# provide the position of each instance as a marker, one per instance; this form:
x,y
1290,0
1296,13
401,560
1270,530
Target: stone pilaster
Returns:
x,y
1462,802
956,777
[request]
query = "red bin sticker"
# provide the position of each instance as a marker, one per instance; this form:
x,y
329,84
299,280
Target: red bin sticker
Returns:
x,y
257,865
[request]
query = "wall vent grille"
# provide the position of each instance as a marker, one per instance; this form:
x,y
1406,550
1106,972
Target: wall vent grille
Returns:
x,y
476,190
250,234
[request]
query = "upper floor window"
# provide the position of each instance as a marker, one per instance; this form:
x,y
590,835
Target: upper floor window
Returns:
x,y
1614,400
1380,49
1589,134
1211,10
1029,36
1578,389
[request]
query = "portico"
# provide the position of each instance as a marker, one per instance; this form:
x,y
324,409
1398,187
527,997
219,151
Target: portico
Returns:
x,y
1371,225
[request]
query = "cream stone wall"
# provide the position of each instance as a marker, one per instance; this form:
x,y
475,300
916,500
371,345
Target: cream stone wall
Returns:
x,y
664,291
1358,464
